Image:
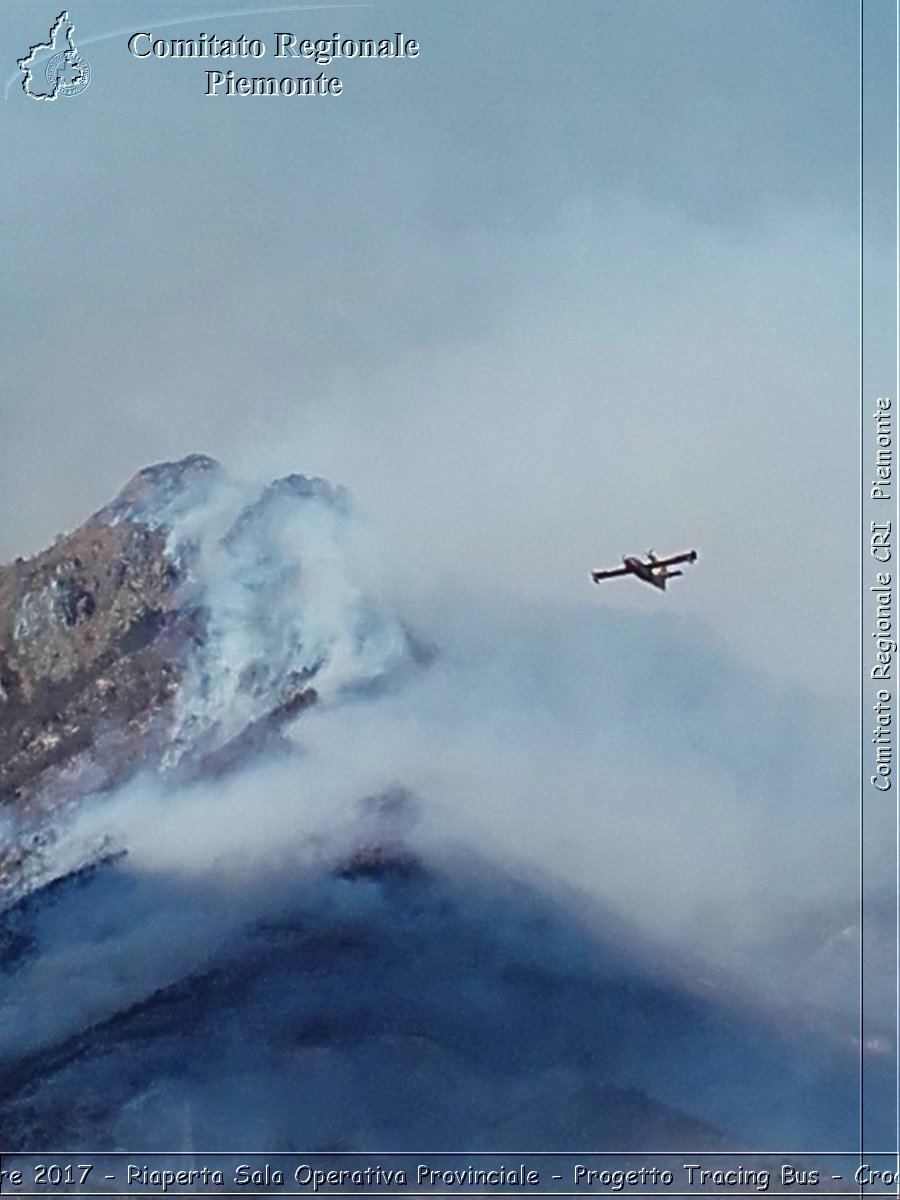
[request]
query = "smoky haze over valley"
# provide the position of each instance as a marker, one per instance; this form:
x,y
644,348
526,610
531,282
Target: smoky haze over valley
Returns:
x,y
458,849
479,852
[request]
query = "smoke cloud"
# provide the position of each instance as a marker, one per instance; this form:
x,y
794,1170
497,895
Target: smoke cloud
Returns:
x,y
600,812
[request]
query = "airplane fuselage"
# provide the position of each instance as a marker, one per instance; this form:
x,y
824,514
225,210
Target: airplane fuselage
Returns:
x,y
645,571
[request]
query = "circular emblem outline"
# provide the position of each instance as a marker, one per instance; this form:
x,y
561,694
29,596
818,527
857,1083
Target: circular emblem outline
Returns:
x,y
68,89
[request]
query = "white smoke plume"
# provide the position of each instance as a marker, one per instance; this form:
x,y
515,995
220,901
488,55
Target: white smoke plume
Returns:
x,y
592,797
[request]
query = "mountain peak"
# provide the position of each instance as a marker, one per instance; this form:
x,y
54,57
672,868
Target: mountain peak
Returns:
x,y
164,489
184,623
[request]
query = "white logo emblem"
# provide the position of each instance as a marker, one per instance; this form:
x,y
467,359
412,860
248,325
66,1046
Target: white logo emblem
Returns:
x,y
67,73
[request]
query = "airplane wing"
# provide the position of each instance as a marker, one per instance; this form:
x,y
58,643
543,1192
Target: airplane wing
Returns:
x,y
598,575
691,556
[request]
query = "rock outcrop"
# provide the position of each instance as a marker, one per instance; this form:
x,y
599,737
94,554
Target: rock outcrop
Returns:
x,y
179,629
91,631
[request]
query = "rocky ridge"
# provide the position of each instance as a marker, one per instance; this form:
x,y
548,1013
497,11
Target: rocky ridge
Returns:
x,y
124,646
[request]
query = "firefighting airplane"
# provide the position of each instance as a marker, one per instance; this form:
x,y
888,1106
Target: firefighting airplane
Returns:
x,y
654,570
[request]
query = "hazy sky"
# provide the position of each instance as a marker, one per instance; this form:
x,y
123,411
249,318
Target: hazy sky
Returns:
x,y
578,281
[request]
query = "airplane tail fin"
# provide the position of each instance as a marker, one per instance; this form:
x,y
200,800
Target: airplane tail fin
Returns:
x,y
662,577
